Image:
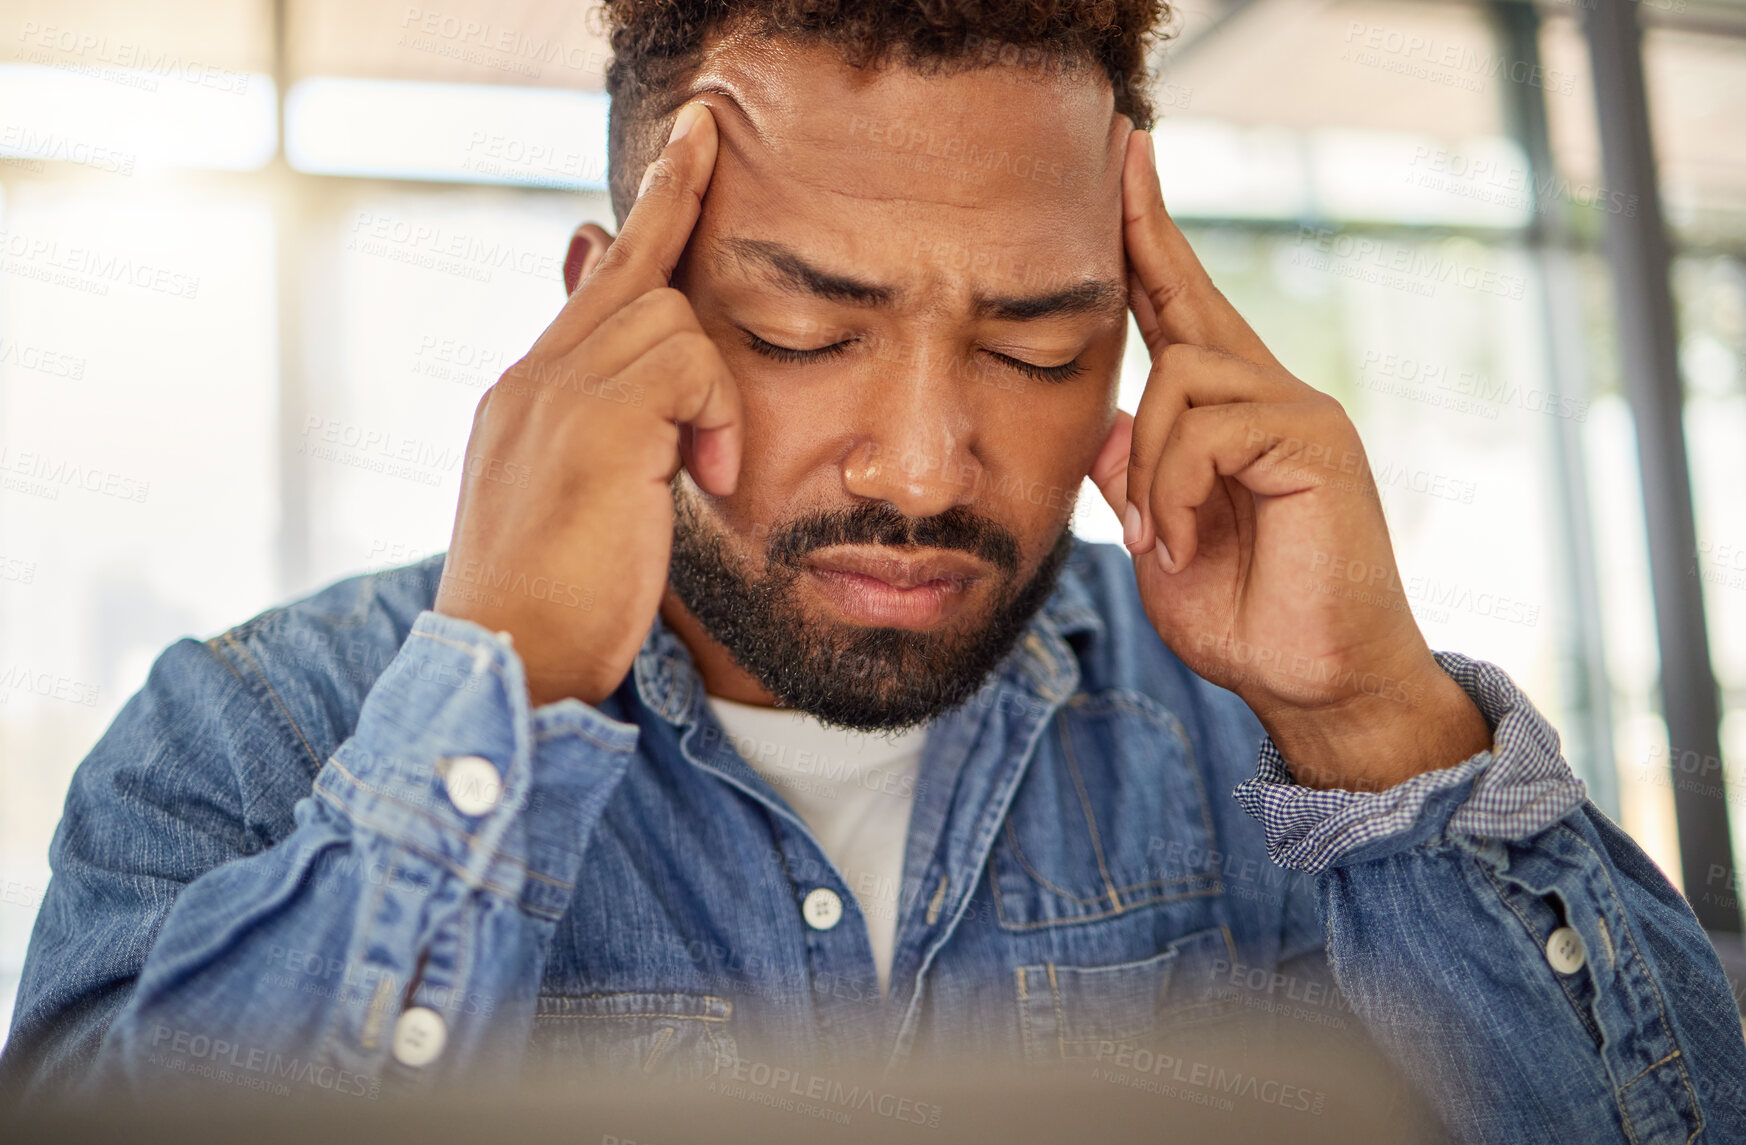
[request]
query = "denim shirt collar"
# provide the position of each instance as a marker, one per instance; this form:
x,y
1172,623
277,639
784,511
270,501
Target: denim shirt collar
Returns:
x,y
668,683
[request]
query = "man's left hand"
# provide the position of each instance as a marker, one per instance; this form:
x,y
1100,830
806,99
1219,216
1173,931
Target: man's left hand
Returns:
x,y
1259,543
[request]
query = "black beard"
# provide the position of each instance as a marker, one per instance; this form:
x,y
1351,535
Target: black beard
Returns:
x,y
850,675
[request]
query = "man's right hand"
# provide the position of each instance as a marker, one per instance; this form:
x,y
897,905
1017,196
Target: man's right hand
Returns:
x,y
565,523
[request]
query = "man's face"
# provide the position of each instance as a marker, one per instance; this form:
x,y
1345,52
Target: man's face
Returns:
x,y
918,283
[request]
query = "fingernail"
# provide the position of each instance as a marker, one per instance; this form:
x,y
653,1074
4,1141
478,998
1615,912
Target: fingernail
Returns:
x,y
687,119
1163,555
648,177
1130,526
1152,150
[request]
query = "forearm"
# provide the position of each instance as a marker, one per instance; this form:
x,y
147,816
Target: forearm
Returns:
x,y
425,873
1441,898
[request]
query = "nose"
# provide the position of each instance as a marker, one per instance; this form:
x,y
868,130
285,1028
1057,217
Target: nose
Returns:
x,y
917,450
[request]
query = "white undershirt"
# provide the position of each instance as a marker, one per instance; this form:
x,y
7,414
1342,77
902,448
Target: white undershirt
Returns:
x,y
853,789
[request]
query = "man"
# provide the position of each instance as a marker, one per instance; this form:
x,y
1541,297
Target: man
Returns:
x,y
763,708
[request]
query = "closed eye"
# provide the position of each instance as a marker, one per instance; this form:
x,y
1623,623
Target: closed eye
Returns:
x,y
1064,372
790,354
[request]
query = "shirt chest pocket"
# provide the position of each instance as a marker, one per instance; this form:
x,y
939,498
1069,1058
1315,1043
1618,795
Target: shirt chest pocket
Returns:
x,y
679,1037
1111,818
1069,1013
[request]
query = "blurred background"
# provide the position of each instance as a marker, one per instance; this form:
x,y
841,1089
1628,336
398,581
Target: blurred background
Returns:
x,y
258,261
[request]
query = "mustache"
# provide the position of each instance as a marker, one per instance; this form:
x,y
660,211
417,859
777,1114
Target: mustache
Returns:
x,y
882,523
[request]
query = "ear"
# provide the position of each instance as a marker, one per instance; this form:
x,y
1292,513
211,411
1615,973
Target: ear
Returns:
x,y
587,246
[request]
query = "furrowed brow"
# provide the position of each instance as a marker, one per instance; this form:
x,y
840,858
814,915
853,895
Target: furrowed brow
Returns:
x,y
795,274
1086,298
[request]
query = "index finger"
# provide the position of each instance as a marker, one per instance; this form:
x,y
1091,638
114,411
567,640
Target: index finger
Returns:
x,y
1185,305
654,234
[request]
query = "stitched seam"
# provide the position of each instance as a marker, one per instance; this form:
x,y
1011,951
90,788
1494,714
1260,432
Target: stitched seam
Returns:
x,y
662,1036
1648,1070
1660,1006
242,798
469,649
624,1017
467,877
271,691
1072,761
721,1055
1199,892
1019,854
1060,1018
421,813
1561,980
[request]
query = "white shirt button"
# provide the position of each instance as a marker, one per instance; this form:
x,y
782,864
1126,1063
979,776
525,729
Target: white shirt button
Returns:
x,y
473,784
1565,951
822,908
419,1035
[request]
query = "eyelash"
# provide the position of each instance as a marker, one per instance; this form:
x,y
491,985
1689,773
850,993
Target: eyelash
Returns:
x,y
1066,371
789,354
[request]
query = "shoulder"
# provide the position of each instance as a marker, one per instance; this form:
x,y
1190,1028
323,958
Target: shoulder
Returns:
x,y
310,663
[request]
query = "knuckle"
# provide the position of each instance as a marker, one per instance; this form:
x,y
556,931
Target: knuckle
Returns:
x,y
1176,356
613,261
669,306
661,180
1191,425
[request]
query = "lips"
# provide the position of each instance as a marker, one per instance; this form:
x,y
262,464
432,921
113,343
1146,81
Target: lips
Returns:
x,y
893,588
897,570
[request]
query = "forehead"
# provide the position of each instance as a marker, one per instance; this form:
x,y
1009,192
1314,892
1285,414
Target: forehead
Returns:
x,y
989,173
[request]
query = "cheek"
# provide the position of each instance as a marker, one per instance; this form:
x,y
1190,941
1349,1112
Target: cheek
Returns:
x,y
787,460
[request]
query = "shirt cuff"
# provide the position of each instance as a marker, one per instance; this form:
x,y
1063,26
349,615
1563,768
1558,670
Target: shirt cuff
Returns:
x,y
449,761
1518,788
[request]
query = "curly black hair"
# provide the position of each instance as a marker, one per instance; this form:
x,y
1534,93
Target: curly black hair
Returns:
x,y
658,44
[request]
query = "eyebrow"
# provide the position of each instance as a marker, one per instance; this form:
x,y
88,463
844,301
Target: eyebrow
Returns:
x,y
794,273
1085,298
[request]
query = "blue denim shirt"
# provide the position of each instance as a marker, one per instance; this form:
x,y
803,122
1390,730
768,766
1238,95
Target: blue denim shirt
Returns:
x,y
263,862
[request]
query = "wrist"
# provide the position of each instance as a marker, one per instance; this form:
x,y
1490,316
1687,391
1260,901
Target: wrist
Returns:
x,y
1370,742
